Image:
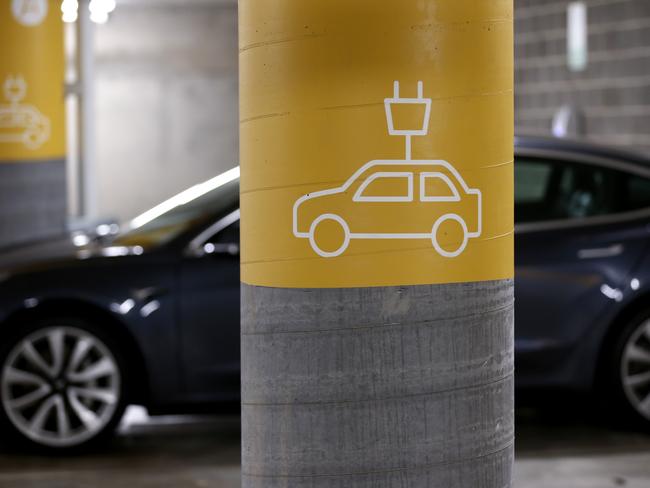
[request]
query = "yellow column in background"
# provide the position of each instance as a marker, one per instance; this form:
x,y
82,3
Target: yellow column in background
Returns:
x,y
32,125
31,81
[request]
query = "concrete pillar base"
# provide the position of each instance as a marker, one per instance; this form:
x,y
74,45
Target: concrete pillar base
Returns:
x,y
404,386
32,200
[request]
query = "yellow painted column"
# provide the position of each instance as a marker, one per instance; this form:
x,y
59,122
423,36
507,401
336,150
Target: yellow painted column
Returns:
x,y
334,92
32,128
377,243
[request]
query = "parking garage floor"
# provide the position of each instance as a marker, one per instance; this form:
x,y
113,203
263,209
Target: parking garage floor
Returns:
x,y
557,447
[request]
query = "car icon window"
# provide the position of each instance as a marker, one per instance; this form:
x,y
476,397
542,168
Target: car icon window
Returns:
x,y
386,186
437,187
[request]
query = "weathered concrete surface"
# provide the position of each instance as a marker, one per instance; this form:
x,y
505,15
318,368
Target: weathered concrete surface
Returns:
x,y
32,200
378,387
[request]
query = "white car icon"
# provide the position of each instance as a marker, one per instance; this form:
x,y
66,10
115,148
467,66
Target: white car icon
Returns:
x,y
21,123
381,194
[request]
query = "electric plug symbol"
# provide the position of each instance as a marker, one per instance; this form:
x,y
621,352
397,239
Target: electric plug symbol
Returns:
x,y
419,104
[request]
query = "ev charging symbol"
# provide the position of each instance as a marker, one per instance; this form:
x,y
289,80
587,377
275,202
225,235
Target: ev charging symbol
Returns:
x,y
435,189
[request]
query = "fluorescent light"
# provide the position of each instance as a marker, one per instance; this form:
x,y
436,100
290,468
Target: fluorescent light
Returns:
x,y
99,17
577,42
69,10
99,10
184,197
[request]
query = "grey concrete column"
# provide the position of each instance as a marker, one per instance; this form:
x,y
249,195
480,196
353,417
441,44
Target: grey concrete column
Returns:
x,y
385,387
32,200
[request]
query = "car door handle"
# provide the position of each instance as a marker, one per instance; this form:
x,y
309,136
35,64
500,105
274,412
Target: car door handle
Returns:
x,y
601,252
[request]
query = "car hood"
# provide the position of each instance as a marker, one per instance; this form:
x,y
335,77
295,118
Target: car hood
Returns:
x,y
56,251
37,252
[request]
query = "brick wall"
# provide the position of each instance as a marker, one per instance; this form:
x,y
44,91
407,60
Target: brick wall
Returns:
x,y
614,90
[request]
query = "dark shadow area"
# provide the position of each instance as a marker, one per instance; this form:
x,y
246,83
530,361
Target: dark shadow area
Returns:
x,y
567,440
555,423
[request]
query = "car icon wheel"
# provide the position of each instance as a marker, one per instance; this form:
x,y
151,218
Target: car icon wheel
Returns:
x,y
312,236
436,240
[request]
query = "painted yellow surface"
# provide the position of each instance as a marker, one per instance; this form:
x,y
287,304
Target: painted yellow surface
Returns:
x,y
31,81
331,194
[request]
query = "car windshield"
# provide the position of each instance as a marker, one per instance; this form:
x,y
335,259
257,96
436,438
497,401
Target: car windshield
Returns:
x,y
181,212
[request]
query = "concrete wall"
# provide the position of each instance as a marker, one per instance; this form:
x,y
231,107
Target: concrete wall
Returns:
x,y
166,88
166,101
613,91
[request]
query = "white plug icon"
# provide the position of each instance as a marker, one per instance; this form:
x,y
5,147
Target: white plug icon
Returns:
x,y
422,129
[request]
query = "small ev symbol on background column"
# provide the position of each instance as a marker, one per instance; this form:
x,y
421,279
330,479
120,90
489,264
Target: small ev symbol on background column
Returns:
x,y
29,12
21,123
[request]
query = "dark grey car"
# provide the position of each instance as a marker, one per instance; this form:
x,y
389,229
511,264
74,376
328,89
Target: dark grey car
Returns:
x,y
152,317
582,307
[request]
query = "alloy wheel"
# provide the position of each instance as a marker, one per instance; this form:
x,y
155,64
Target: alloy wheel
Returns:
x,y
635,369
60,386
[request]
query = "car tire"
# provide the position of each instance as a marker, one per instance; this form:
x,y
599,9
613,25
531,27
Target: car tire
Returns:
x,y
626,373
63,385
436,241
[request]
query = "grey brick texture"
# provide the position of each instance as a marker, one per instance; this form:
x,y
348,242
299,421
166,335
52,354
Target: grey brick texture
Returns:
x,y
613,91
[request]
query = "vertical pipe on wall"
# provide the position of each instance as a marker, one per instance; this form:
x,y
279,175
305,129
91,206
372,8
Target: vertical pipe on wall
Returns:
x,y
86,115
377,243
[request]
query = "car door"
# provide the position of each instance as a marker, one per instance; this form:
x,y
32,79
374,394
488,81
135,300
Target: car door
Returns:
x,y
577,240
209,313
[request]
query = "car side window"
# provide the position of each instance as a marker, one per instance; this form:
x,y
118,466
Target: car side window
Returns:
x,y
531,181
437,187
386,187
638,192
561,190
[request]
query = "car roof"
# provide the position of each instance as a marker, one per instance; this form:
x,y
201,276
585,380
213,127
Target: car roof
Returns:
x,y
578,148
